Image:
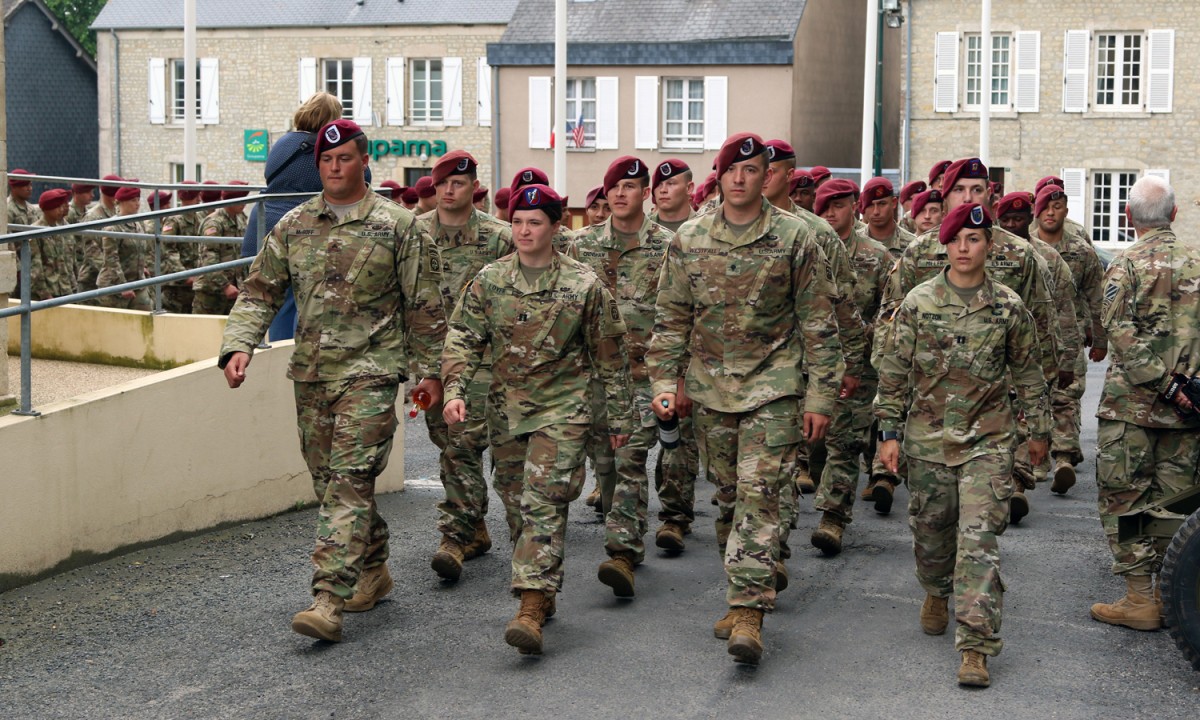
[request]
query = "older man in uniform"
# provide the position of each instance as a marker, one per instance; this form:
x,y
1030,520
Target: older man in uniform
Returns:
x,y
467,239
1149,433
20,190
1050,225
744,290
216,292
52,271
351,355
179,256
125,259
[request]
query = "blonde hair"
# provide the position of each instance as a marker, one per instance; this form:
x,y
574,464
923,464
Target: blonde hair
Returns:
x,y
316,111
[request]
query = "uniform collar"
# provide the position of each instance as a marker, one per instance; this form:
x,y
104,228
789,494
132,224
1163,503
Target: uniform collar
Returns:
x,y
546,281
946,295
357,213
722,232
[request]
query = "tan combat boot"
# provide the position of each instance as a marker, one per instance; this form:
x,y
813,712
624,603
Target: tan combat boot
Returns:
x,y
828,536
868,493
670,537
1137,610
617,573
524,632
323,619
882,494
448,560
804,481
745,641
1018,507
973,672
1064,477
723,628
593,498
781,576
482,542
935,615
549,607
373,584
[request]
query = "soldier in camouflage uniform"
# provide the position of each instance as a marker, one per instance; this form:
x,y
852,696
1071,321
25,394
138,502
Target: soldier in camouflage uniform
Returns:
x,y
1148,435
907,193
369,313
596,207
550,326
536,176
803,190
215,292
20,210
926,213
743,290
81,202
467,240
626,253
847,439
1087,273
52,271
1070,227
671,187
90,260
954,341
125,259
179,256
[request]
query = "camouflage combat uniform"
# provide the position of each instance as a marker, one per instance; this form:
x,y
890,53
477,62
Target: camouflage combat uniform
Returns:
x,y
546,340
52,268
464,253
209,288
75,214
125,260
742,308
369,313
630,273
1146,451
22,213
954,358
180,256
895,243
91,255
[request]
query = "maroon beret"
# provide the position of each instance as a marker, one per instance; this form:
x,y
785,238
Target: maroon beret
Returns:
x,y
593,195
1020,202
410,195
877,188
1048,180
921,199
966,168
668,168
127,193
456,162
18,182
832,190
502,196
626,166
819,173
479,194
779,150
538,197
52,199
163,197
394,190
912,188
210,195
967,215
529,176
425,187
188,194
705,189
738,148
1045,196
938,168
801,179
234,194
81,188
335,134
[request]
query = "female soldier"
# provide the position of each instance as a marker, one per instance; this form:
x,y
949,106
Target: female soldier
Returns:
x,y
955,339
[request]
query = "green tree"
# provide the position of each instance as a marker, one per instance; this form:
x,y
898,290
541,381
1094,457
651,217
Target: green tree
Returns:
x,y
76,16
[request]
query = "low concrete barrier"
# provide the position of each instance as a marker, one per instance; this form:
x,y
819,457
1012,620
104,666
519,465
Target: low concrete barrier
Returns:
x,y
177,452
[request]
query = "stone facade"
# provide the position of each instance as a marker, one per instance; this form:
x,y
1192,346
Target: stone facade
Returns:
x,y
259,87
1030,145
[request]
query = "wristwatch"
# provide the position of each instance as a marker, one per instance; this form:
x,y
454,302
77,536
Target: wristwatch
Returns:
x,y
885,435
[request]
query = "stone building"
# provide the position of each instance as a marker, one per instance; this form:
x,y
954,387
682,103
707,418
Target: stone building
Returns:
x,y
413,74
1089,90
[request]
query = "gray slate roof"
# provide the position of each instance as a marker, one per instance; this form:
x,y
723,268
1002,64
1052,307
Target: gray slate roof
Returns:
x,y
155,14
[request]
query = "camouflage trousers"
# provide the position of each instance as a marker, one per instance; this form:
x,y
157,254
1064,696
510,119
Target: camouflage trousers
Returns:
x,y
625,521
178,299
1137,467
206,303
604,459
551,477
751,456
1023,472
675,474
1066,406
956,514
140,301
461,460
845,442
346,429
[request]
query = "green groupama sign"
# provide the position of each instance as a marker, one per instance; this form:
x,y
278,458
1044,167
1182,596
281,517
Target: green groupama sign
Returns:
x,y
407,148
255,144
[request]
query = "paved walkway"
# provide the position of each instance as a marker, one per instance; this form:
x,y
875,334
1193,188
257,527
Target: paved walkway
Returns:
x,y
54,380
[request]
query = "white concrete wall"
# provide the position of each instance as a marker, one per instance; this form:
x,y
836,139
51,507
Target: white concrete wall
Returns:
x,y
175,452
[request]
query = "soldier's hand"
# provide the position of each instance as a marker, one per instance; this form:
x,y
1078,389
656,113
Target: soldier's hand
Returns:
x,y
849,386
815,426
1065,378
1038,449
128,294
433,386
454,412
1087,338
683,403
663,405
1098,354
189,281
235,369
230,292
889,455
618,441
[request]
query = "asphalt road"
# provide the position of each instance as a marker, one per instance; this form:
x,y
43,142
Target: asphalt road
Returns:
x,y
200,629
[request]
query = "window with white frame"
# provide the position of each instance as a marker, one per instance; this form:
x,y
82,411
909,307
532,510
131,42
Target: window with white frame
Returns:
x,y
581,112
683,112
178,88
1119,68
176,171
426,92
1110,194
339,82
1000,58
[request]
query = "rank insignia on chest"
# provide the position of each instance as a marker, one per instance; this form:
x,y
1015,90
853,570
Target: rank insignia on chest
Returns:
x,y
960,339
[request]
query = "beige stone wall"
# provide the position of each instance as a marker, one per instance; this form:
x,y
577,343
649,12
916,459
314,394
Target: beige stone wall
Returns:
x,y
1032,145
259,85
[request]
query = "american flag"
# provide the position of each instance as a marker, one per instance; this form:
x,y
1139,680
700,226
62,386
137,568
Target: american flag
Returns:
x,y
577,132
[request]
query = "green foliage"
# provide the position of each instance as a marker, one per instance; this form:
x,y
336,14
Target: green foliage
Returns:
x,y
76,16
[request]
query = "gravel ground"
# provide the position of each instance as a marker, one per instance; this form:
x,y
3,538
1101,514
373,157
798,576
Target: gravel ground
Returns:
x,y
54,380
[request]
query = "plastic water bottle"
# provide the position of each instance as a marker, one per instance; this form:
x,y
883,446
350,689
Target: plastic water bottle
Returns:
x,y
668,431
421,401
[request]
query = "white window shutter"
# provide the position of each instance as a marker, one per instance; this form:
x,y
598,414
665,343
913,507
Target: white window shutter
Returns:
x,y
452,105
210,98
945,82
1161,82
483,93
645,112
308,78
539,113
361,83
1074,185
157,90
395,91
1028,70
606,113
1075,71
716,111
1162,173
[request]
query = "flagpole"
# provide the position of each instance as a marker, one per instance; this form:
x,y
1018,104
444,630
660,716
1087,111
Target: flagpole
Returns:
x,y
560,97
